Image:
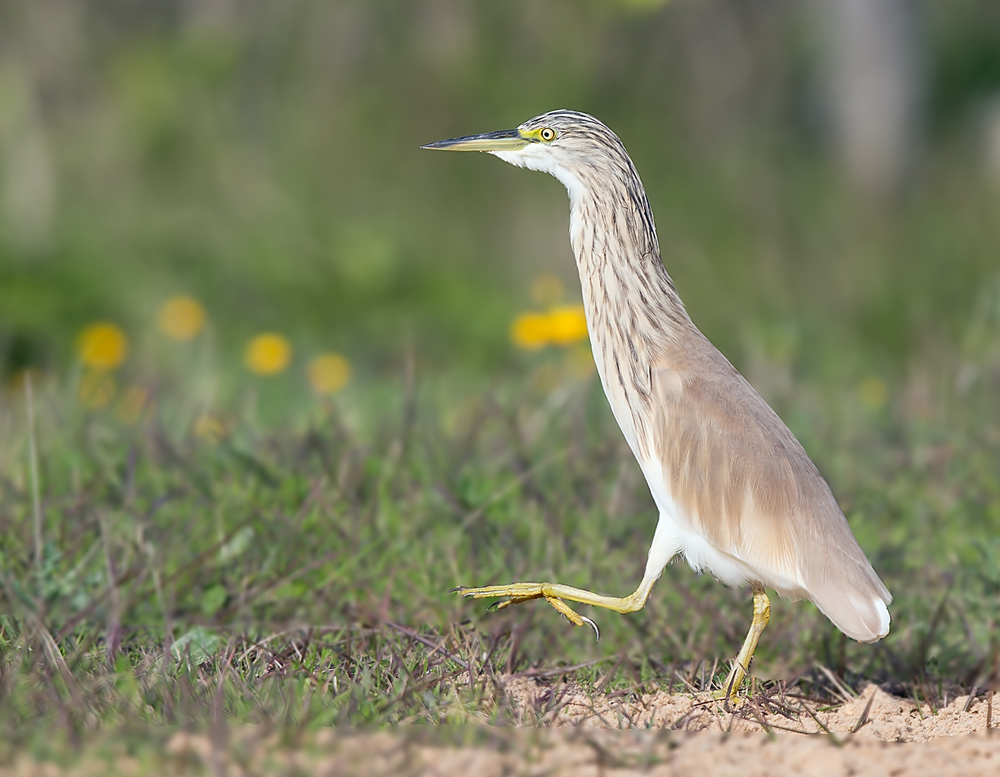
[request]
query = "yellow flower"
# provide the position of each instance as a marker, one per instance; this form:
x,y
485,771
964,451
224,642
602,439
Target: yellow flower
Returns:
x,y
567,324
181,318
530,331
328,373
873,392
546,289
268,354
102,346
97,388
562,325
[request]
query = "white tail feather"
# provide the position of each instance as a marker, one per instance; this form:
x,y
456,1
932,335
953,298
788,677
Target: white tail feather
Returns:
x,y
855,612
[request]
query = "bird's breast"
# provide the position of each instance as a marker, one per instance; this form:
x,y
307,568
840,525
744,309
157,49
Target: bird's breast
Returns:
x,y
624,367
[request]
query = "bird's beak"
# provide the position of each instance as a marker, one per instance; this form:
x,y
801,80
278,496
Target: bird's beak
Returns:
x,y
502,140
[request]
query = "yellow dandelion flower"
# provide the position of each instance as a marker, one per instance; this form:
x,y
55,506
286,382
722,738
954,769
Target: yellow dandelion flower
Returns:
x,y
546,289
530,331
102,346
567,325
268,354
873,393
134,403
329,373
97,388
181,318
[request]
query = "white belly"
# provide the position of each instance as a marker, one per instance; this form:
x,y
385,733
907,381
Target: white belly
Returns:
x,y
674,536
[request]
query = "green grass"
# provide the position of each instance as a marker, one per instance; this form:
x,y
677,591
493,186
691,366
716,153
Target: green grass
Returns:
x,y
300,575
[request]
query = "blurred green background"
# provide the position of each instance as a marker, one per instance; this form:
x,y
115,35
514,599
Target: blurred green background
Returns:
x,y
263,158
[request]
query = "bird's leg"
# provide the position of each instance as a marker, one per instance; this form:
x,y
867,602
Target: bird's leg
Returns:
x,y
661,551
555,593
741,666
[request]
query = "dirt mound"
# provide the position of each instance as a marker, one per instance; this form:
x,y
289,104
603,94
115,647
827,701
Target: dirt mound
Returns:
x,y
873,713
580,733
591,752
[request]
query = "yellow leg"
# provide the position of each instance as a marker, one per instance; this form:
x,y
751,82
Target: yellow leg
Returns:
x,y
741,666
554,594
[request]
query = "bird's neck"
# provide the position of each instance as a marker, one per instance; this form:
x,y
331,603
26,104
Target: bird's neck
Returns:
x,y
634,317
626,288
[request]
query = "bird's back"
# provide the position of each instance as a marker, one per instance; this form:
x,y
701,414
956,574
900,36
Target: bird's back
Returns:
x,y
748,501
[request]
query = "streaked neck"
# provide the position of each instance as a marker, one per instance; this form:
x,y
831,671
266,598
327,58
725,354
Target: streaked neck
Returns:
x,y
623,279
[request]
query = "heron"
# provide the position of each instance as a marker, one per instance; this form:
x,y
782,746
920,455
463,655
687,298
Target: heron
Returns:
x,y
736,493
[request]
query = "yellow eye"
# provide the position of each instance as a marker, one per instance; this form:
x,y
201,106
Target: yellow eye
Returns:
x,y
547,134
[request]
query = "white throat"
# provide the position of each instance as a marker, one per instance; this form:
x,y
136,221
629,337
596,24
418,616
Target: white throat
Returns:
x,y
538,157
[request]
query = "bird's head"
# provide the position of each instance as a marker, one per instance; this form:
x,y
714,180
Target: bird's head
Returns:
x,y
572,146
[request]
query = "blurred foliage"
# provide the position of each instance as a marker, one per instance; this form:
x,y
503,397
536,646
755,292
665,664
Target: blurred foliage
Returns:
x,y
263,158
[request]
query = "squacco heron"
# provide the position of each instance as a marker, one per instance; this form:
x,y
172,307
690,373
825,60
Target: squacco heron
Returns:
x,y
737,495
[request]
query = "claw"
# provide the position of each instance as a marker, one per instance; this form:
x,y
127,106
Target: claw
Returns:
x,y
458,589
593,625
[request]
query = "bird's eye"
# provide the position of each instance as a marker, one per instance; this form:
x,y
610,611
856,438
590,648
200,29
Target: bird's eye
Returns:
x,y
547,134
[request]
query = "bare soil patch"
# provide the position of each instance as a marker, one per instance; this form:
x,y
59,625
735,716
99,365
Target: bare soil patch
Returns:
x,y
894,743
585,735
872,714
606,753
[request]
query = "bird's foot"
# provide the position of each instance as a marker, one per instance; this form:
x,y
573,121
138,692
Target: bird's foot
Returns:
x,y
516,593
729,691
729,697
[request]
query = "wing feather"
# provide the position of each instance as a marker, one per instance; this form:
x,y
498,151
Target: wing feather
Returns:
x,y
745,485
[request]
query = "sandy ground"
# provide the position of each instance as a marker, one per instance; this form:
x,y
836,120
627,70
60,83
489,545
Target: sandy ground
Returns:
x,y
873,714
604,753
657,734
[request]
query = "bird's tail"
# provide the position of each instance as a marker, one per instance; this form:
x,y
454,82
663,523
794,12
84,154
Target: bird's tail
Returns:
x,y
856,606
